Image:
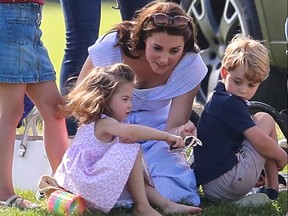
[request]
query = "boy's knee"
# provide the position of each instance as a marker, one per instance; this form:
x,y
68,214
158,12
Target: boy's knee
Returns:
x,y
263,118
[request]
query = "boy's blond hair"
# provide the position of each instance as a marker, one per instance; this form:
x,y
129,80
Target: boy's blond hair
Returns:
x,y
250,54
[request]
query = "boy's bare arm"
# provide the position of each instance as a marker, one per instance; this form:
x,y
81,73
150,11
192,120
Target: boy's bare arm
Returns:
x,y
266,146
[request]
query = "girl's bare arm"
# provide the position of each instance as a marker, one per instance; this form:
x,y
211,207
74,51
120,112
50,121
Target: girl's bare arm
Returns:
x,y
136,132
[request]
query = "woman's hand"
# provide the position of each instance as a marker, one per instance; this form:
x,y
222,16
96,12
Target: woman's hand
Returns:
x,y
188,129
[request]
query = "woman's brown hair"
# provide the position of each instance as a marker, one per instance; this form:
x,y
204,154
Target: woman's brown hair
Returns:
x,y
132,34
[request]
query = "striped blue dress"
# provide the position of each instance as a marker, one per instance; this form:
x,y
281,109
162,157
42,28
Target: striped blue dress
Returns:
x,y
172,177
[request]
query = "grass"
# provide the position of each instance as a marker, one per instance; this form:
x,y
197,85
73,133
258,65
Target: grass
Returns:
x,y
54,29
54,40
275,208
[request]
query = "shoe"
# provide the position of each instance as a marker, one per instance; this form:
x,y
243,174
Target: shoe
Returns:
x,y
16,201
271,193
47,185
253,200
39,195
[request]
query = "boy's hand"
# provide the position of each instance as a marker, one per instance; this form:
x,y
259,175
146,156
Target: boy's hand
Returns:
x,y
188,129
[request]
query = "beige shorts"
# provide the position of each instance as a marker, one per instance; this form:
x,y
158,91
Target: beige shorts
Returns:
x,y
238,181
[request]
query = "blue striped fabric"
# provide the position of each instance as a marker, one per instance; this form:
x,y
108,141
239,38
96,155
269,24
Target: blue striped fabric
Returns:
x,y
172,177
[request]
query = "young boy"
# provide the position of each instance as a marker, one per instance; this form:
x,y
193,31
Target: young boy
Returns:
x,y
237,147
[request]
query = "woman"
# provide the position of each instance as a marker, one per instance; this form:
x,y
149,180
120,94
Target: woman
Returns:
x,y
159,45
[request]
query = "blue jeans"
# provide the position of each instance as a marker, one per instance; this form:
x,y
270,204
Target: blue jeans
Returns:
x,y
82,21
128,7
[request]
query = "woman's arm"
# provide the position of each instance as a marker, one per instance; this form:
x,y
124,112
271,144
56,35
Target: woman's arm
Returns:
x,y
179,115
87,67
109,126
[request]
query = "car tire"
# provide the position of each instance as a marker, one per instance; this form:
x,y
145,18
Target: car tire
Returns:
x,y
217,21
273,90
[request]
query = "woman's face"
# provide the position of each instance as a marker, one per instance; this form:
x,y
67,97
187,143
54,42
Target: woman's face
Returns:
x,y
163,51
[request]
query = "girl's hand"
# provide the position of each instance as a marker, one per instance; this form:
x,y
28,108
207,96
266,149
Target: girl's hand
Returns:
x,y
188,129
176,141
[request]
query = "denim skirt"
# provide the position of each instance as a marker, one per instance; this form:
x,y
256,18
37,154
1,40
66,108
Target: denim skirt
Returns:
x,y
23,58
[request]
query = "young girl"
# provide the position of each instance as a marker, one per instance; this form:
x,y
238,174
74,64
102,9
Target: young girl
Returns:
x,y
104,162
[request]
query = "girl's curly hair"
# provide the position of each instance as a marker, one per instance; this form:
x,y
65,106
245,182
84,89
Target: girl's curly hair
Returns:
x,y
90,98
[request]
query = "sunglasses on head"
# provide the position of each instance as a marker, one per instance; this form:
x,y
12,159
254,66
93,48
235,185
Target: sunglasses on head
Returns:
x,y
162,19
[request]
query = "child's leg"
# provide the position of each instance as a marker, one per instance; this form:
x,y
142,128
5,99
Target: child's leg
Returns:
x,y
238,181
141,192
267,124
137,190
55,133
11,110
166,205
271,175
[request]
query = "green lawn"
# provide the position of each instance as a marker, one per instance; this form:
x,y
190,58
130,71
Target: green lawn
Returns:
x,y
275,208
54,30
53,38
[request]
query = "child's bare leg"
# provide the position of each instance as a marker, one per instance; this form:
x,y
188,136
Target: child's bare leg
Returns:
x,y
271,175
55,133
137,190
11,111
166,205
267,125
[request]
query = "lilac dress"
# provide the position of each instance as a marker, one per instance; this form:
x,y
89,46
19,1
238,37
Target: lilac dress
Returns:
x,y
97,171
171,176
